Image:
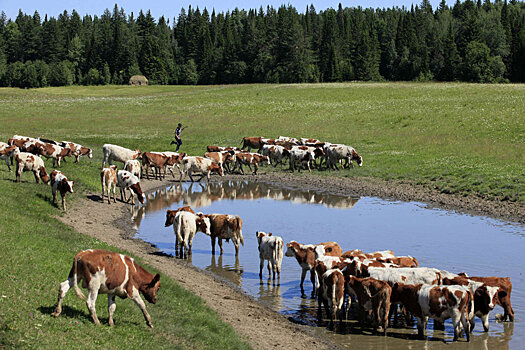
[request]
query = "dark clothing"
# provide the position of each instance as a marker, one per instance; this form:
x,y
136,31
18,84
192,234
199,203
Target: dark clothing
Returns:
x,y
177,132
179,142
177,137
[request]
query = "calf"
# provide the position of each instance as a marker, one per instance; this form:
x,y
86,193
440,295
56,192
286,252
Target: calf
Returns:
x,y
60,182
170,214
113,274
201,165
185,226
373,297
271,249
108,180
333,294
437,302
30,162
120,154
77,150
305,256
226,227
128,181
133,166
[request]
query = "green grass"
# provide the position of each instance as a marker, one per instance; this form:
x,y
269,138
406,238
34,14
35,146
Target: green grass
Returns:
x,y
36,255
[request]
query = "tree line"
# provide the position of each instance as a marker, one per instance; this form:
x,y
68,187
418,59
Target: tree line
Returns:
x,y
469,41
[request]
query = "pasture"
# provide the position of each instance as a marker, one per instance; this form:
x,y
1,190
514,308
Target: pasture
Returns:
x,y
458,138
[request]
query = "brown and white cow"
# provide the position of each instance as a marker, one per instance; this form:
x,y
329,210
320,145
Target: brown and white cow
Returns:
x,y
335,153
133,166
49,150
226,227
30,162
200,165
222,158
333,295
185,226
110,273
221,149
373,297
275,153
504,286
251,142
401,261
298,157
437,302
250,159
128,181
108,180
60,182
291,140
271,249
6,152
156,160
305,256
77,150
170,214
310,142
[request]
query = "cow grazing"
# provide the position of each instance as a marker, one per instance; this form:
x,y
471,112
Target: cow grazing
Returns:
x,y
128,181
271,249
484,298
60,182
77,150
437,302
333,294
185,226
305,256
133,166
113,274
6,152
200,165
108,180
251,142
30,162
226,227
373,298
117,153
221,158
334,153
504,286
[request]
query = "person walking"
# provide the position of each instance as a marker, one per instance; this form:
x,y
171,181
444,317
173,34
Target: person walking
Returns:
x,y
177,136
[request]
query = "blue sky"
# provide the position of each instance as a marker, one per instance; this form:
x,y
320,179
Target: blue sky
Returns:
x,y
172,8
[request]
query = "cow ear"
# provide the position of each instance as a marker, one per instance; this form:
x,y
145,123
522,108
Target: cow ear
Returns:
x,y
154,280
502,294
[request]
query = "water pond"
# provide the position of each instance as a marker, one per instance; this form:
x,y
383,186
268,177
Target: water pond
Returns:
x,y
438,238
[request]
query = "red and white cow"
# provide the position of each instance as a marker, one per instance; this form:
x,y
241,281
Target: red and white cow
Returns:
x,y
118,153
305,256
333,295
291,140
30,162
77,150
275,153
226,227
251,142
310,142
271,249
156,160
249,159
298,157
128,181
222,158
221,149
108,180
170,214
114,274
437,302
49,150
408,275
185,226
200,165
335,153
60,182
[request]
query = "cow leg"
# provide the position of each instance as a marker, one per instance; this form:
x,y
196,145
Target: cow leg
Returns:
x,y
312,279
7,163
466,324
77,158
485,321
261,266
62,291
111,308
303,275
58,162
220,245
63,202
213,245
421,326
114,194
54,191
90,302
18,172
255,167
140,303
508,312
236,244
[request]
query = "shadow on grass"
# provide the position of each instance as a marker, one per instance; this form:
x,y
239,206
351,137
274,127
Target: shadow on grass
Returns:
x,y
67,311
96,198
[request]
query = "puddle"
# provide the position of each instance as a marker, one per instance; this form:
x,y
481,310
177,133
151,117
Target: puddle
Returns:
x,y
444,239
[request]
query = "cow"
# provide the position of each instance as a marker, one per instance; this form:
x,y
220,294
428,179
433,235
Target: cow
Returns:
x,y
6,152
249,159
53,142
60,182
128,181
170,214
174,161
305,256
484,298
401,261
504,286
30,162
437,302
407,275
288,139
48,150
118,153
133,166
319,153
185,226
201,165
275,153
225,227
155,160
333,295
310,142
108,180
251,142
77,150
300,156
373,298
271,249
221,158
357,254
110,273
341,152
220,149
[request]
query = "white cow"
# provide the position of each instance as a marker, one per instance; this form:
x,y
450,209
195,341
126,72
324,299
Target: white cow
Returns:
x,y
185,226
128,181
120,154
298,157
341,152
133,166
271,249
275,153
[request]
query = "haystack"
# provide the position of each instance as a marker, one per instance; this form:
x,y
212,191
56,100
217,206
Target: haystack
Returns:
x,y
138,80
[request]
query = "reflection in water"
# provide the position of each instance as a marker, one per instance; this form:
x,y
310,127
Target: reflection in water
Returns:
x,y
312,217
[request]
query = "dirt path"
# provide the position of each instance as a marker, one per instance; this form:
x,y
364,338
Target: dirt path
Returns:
x,y
262,327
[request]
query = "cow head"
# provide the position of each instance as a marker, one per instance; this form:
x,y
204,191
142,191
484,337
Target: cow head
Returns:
x,y
88,151
149,290
113,167
68,185
43,175
180,157
138,191
291,248
203,224
260,235
170,216
357,158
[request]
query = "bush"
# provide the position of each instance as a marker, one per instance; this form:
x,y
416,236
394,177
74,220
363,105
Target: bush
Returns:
x,y
93,77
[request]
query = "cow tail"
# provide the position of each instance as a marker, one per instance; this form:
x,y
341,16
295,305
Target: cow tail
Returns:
x,y
278,252
334,299
241,238
470,306
73,272
415,261
178,229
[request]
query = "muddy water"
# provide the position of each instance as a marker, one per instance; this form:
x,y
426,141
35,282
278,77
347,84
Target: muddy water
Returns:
x,y
438,238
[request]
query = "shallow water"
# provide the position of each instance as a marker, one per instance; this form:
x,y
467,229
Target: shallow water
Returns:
x,y
438,238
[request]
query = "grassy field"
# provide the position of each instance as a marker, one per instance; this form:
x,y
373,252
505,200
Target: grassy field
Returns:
x,y
458,138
